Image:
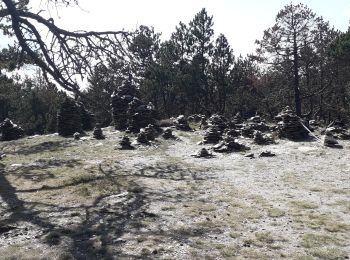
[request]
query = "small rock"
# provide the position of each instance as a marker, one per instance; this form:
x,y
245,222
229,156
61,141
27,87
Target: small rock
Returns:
x,y
267,154
202,153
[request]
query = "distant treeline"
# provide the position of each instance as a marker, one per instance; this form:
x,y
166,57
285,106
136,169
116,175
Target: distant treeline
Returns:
x,y
300,61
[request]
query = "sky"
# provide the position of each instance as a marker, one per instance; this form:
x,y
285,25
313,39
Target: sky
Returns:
x,y
242,22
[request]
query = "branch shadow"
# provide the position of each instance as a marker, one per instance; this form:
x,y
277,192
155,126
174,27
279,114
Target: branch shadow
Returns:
x,y
48,146
100,226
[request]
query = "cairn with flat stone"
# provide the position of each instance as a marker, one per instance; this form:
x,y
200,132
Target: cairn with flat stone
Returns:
x,y
261,139
181,123
121,98
219,121
87,118
76,136
290,126
98,134
69,118
142,137
330,141
141,115
150,132
168,133
195,118
232,133
230,145
212,135
10,131
237,119
125,143
338,130
202,153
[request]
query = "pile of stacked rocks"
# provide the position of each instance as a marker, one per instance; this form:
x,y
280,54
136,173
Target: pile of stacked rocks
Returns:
x,y
338,131
195,118
181,123
121,98
98,134
215,129
168,133
247,131
69,118
230,144
290,125
129,112
237,119
76,136
257,123
232,132
87,118
203,153
261,139
150,132
204,123
125,143
219,121
10,131
212,135
142,137
141,115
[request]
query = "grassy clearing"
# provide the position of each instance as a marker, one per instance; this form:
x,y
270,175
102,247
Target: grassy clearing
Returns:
x,y
196,213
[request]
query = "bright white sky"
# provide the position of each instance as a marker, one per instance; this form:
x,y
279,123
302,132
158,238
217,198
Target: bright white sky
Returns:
x,y
242,21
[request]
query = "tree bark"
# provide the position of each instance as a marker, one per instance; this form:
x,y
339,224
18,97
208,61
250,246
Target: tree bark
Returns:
x,y
297,99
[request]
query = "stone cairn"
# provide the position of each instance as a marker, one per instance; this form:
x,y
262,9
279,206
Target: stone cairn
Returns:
x,y
230,144
203,123
290,125
76,136
10,131
129,112
212,135
168,133
267,154
218,121
98,134
255,123
261,139
141,116
181,123
237,119
330,141
125,143
150,132
216,127
232,132
87,118
202,153
69,118
338,131
121,98
195,118
142,137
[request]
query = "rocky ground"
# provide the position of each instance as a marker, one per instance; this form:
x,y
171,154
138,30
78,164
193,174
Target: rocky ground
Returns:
x,y
85,199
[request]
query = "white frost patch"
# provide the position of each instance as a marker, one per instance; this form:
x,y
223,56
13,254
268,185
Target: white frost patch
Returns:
x,y
306,149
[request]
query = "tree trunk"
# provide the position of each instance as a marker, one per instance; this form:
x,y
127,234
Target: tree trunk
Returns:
x,y
296,76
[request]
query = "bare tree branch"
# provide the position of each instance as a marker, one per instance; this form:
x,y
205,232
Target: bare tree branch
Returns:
x,y
66,54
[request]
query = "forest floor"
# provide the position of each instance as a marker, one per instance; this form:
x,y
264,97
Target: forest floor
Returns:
x,y
66,199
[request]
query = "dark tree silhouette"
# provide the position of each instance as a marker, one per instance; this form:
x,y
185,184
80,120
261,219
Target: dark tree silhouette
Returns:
x,y
60,53
296,29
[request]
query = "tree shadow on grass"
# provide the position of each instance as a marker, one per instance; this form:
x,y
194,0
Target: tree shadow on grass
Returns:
x,y
40,170
48,146
171,171
96,230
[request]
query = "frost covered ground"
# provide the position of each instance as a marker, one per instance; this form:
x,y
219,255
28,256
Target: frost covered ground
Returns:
x,y
66,199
